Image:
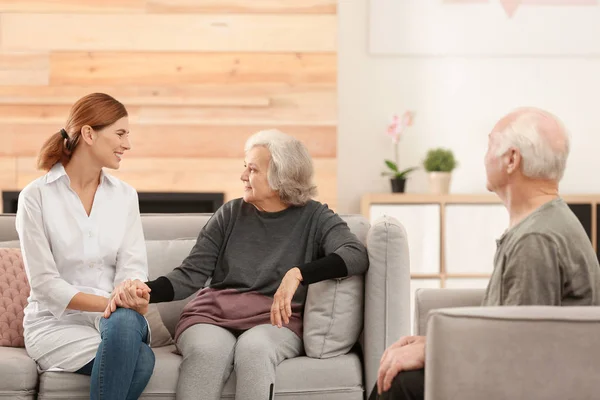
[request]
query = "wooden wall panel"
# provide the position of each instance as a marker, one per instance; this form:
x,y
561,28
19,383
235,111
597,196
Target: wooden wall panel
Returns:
x,y
220,96
186,141
139,68
24,69
282,111
200,32
198,77
43,114
72,6
243,6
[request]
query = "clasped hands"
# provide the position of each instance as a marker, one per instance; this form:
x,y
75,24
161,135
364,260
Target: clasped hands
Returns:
x,y
132,294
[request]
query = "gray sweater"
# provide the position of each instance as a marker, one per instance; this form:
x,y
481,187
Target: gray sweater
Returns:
x,y
246,253
546,259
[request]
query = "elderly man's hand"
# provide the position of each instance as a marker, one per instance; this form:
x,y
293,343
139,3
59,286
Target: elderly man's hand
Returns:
x,y
406,354
281,310
129,294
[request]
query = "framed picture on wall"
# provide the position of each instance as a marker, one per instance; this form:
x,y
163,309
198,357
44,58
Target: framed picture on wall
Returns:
x,y
484,27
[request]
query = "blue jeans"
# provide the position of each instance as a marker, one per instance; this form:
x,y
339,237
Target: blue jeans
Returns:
x,y
124,362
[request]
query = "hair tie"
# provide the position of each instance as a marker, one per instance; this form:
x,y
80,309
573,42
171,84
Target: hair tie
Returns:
x,y
64,134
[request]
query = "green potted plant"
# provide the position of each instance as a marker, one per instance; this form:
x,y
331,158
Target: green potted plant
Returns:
x,y
439,164
395,130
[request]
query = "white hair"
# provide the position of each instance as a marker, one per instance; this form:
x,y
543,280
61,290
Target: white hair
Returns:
x,y
290,170
542,140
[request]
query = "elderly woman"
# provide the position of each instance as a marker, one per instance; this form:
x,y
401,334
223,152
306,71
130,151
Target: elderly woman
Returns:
x,y
261,251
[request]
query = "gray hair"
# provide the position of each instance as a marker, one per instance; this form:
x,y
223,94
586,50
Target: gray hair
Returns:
x,y
290,170
542,140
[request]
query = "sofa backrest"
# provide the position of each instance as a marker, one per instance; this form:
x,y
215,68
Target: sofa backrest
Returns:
x,y
169,239
176,226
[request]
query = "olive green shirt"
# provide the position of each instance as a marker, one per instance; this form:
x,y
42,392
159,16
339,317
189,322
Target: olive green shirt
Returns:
x,y
546,259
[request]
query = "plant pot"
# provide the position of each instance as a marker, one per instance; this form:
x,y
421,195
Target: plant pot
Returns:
x,y
439,182
398,185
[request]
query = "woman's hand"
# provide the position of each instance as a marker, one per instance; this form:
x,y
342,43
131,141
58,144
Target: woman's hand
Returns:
x,y
281,310
129,294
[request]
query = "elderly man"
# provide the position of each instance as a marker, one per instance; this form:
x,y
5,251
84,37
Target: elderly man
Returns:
x,y
543,258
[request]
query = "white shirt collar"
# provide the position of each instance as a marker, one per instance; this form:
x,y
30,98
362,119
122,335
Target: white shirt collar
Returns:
x,y
58,171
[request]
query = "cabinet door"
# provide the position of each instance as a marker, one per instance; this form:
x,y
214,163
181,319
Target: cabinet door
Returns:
x,y
470,236
422,224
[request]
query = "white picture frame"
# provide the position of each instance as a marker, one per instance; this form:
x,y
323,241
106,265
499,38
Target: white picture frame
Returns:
x,y
484,27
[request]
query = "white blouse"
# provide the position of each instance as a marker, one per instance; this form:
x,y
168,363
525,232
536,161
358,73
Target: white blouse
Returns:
x,y
65,251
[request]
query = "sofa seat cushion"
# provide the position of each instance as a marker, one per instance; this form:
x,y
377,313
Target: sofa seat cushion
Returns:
x,y
18,373
337,377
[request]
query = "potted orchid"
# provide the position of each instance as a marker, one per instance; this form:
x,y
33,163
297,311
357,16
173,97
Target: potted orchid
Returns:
x,y
396,129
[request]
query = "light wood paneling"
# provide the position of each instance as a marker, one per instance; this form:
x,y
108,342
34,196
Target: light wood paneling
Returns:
x,y
139,68
306,109
244,6
24,68
183,175
25,140
72,6
211,33
134,96
198,77
242,95
43,114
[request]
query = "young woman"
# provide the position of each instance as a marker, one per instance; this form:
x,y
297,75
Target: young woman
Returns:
x,y
81,236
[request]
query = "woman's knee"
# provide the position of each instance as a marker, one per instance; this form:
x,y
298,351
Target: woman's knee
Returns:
x,y
126,316
254,347
123,320
206,347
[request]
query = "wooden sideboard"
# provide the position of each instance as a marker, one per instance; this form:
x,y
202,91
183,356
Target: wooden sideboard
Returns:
x,y
452,238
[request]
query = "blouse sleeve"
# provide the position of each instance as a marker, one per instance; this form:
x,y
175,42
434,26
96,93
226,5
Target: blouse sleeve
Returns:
x,y
47,286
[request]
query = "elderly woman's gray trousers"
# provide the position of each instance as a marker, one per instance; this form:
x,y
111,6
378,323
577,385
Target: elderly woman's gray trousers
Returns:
x,y
210,353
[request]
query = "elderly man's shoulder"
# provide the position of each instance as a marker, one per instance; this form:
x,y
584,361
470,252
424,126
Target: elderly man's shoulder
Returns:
x,y
553,218
554,225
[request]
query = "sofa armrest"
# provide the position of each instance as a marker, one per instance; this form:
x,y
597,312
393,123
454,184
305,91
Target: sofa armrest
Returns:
x,y
431,299
387,292
527,352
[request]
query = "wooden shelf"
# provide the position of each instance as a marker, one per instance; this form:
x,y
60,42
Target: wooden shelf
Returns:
x,y
427,198
370,199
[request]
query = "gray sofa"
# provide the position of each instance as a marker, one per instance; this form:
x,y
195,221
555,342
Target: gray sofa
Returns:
x,y
348,376
497,353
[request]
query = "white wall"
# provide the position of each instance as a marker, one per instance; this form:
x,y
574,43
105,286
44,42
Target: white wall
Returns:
x,y
457,100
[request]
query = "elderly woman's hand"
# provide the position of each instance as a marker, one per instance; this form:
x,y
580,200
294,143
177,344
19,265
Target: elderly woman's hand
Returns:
x,y
129,294
281,310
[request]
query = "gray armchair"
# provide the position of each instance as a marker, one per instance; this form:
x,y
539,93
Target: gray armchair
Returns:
x,y
497,353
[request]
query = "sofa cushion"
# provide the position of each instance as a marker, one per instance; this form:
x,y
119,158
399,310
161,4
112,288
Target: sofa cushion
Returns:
x,y
163,257
333,313
14,290
160,335
18,372
339,375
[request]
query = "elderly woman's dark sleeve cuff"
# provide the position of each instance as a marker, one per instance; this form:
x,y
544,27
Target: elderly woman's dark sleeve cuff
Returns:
x,y
329,267
161,290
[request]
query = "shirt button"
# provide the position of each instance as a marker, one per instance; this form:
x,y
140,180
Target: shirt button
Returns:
x,y
91,265
90,234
